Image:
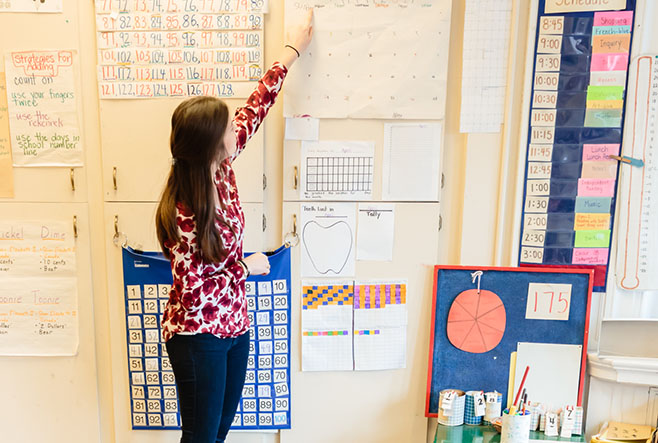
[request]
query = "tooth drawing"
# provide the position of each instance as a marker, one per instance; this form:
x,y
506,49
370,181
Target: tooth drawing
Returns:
x,y
328,245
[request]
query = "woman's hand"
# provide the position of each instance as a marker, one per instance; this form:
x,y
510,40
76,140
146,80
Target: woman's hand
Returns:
x,y
257,264
299,37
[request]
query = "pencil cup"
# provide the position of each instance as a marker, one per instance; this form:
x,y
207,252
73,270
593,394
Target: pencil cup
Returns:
x,y
469,413
536,410
516,428
493,409
455,415
542,420
577,428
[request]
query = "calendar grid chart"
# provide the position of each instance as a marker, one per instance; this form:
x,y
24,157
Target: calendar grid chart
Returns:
x,y
339,174
265,402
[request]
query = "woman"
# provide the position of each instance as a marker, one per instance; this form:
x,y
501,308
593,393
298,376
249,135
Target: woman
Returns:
x,y
200,227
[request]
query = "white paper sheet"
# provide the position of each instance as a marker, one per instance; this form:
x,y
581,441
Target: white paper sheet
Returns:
x,y
31,6
327,325
412,161
337,170
554,374
375,231
38,294
302,128
484,69
43,108
380,324
327,239
384,59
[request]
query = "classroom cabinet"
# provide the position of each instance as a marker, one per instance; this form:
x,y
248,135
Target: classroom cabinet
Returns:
x,y
136,155
54,398
135,223
390,403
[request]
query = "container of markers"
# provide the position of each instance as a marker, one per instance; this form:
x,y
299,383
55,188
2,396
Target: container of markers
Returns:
x,y
516,427
452,403
494,406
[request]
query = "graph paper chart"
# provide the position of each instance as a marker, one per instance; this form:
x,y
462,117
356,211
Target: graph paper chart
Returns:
x,y
265,403
337,170
339,174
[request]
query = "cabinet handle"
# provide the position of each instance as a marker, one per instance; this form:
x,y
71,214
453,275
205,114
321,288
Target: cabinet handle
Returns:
x,y
75,224
114,177
295,180
72,177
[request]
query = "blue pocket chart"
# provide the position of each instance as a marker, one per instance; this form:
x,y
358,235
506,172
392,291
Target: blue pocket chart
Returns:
x,y
265,403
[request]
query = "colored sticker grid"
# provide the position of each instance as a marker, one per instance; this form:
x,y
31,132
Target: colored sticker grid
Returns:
x,y
379,295
324,333
367,332
316,296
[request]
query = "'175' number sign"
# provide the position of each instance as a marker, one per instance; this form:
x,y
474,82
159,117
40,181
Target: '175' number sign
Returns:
x,y
548,301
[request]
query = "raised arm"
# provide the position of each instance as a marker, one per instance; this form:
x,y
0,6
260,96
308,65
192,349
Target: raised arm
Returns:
x,y
249,117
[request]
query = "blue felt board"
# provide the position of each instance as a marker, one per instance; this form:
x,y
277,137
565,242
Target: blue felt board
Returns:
x,y
452,368
265,403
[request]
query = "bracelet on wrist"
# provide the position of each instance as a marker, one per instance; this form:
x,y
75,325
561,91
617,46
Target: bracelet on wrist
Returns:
x,y
246,268
294,49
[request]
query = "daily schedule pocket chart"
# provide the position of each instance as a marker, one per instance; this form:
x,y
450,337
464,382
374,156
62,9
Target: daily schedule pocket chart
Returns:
x,y
581,60
265,402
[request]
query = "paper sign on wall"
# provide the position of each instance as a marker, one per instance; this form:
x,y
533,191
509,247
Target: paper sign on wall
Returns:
x,y
375,232
6,169
327,239
43,111
31,6
547,301
38,294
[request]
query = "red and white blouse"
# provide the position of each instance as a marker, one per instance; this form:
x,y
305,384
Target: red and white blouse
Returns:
x,y
210,297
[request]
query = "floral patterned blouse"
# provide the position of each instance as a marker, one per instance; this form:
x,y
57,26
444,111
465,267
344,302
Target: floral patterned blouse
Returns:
x,y
210,297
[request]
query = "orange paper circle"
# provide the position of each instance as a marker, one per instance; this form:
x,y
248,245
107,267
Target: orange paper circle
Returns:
x,y
476,322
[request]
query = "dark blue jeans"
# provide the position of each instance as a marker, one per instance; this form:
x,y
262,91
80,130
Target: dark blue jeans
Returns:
x,y
209,374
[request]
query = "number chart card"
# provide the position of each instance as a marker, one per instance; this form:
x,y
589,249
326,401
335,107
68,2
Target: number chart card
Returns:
x,y
179,48
382,59
265,403
580,61
477,326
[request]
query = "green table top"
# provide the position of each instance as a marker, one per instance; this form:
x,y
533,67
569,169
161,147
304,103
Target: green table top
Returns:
x,y
486,434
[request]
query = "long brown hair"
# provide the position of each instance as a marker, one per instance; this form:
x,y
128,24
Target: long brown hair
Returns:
x,y
197,132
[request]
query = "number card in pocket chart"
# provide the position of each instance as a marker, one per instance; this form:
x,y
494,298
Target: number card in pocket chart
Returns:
x,y
265,403
477,326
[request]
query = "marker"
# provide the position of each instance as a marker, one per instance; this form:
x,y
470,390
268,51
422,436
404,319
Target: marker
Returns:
x,y
628,160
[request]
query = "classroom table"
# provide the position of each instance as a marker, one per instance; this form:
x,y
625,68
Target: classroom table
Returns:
x,y
487,434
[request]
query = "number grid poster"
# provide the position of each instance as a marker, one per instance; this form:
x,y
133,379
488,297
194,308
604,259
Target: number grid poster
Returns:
x,y
265,403
179,48
491,332
580,66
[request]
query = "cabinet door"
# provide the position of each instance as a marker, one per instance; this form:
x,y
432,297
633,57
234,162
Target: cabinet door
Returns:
x,y
137,158
137,226
19,32
415,250
54,398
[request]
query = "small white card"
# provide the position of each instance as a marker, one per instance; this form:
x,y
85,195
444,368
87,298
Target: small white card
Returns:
x,y
548,301
568,419
447,400
551,425
302,128
480,406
